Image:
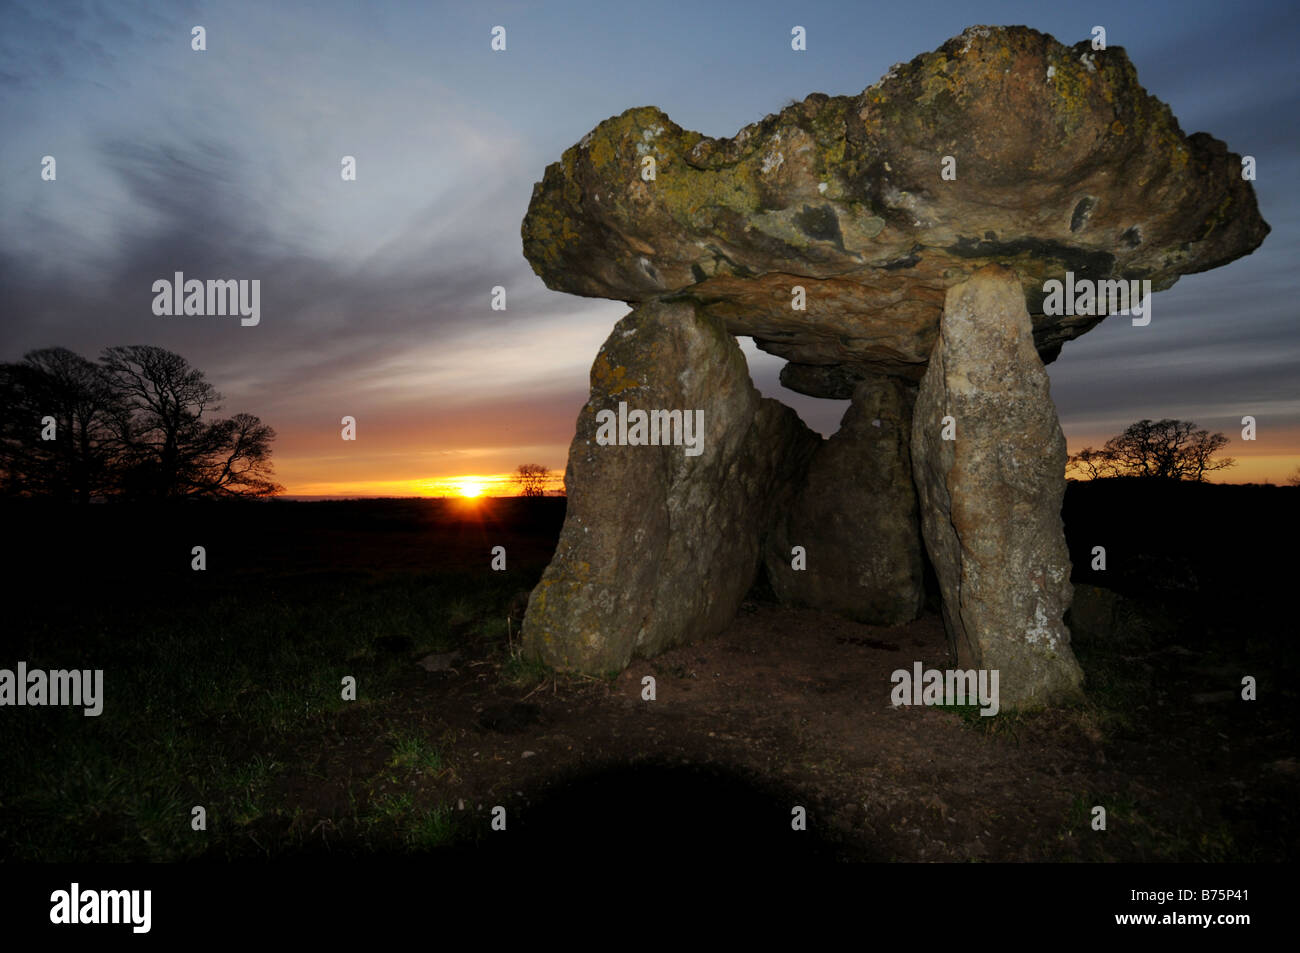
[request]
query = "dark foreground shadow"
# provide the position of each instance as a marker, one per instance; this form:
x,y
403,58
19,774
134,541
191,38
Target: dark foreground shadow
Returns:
x,y
659,810
648,813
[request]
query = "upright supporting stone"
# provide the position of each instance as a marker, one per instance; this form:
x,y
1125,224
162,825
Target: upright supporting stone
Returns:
x,y
856,516
991,497
661,542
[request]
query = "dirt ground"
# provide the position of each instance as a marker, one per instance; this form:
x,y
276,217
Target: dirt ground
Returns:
x,y
792,708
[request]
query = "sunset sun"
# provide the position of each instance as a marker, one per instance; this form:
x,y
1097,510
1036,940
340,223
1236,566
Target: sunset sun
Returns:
x,y
471,489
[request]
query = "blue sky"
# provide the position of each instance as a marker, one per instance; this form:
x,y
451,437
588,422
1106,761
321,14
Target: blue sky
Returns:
x,y
375,293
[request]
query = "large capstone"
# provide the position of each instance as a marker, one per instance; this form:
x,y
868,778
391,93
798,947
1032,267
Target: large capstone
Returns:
x,y
1001,146
661,543
855,519
989,462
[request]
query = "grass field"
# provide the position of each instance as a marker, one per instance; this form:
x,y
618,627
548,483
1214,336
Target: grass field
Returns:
x,y
224,690
208,672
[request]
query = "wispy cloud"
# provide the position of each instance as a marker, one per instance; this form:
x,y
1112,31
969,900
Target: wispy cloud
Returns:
x,y
376,293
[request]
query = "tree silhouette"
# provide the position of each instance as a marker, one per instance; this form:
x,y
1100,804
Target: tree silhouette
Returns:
x,y
1163,449
531,478
238,463
131,426
162,433
1093,464
57,438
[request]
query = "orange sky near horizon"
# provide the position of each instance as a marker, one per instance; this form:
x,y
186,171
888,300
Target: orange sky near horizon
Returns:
x,y
298,480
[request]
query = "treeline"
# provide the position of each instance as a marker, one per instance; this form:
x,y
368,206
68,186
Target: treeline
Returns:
x,y
138,424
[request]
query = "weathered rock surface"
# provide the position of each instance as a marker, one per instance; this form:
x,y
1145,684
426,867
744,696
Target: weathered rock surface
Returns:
x,y
1063,163
991,498
832,381
856,516
659,547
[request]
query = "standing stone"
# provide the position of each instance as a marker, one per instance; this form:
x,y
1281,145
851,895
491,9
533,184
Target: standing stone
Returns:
x,y
660,546
856,516
991,498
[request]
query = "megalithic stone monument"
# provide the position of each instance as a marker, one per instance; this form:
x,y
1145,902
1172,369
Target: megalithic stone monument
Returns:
x,y
989,460
906,237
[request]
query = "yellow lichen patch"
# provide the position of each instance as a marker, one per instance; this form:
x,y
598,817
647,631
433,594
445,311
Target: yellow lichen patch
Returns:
x,y
608,378
829,131
1072,84
936,80
682,189
1117,128
602,151
547,230
615,136
685,190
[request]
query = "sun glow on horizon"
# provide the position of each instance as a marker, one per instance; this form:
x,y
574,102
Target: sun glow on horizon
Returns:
x,y
461,486
468,486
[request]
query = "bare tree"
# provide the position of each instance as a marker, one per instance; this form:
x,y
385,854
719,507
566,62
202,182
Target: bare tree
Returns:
x,y
1294,478
1092,464
1198,455
161,431
238,459
531,478
1168,449
75,397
